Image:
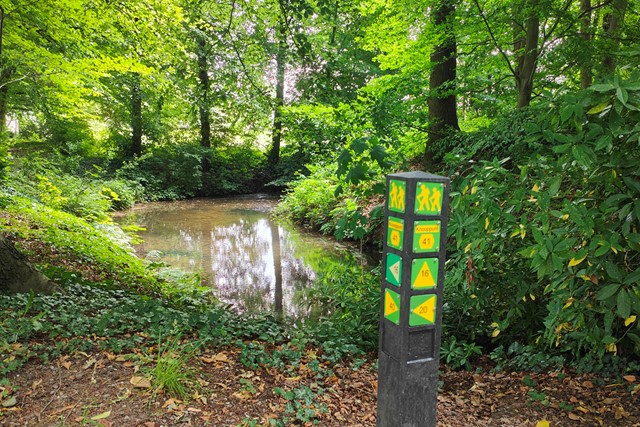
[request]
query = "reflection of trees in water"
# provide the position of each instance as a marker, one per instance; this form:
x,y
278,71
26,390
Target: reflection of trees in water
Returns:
x,y
255,268
241,263
251,262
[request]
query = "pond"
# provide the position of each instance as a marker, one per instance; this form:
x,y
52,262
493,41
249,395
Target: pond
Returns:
x,y
251,261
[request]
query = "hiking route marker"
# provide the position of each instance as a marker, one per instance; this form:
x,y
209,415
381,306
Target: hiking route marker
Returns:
x,y
411,306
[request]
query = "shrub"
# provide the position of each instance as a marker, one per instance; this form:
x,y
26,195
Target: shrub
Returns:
x,y
550,256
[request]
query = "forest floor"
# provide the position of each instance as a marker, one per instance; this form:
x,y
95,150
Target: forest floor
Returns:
x,y
104,389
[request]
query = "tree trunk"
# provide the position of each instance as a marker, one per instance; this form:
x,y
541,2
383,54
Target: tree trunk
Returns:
x,y
527,50
276,138
136,115
443,115
4,92
586,75
277,268
5,75
613,24
203,98
16,274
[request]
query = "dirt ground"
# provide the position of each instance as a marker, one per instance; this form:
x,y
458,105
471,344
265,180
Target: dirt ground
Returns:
x,y
104,389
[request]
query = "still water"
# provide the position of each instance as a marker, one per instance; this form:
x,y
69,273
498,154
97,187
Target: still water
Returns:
x,y
250,261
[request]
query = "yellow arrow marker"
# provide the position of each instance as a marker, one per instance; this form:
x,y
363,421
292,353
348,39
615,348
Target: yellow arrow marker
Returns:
x,y
390,306
424,279
395,270
427,310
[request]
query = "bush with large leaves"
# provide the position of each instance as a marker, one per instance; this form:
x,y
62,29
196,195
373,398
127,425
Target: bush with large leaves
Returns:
x,y
547,251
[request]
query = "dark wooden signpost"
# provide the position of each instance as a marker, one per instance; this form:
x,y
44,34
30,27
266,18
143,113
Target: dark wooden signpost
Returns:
x,y
411,305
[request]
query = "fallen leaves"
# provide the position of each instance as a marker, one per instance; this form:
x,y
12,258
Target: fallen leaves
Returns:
x,y
140,382
11,401
220,357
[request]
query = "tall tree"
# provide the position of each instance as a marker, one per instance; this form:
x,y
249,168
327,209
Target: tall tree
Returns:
x,y
443,115
525,44
613,26
281,58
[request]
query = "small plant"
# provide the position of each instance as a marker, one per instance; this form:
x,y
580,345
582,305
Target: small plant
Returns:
x,y
457,354
171,372
301,405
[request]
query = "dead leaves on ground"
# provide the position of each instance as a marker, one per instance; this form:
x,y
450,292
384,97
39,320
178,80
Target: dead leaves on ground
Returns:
x,y
226,392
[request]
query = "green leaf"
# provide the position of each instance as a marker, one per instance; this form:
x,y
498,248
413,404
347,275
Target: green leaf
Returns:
x,y
622,95
554,185
583,155
615,199
632,277
359,145
603,142
380,155
8,403
101,416
614,272
623,304
344,159
379,188
605,87
357,173
598,108
607,291
566,112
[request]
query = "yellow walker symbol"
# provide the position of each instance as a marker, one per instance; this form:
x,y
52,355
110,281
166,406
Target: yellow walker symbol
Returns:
x,y
429,198
397,196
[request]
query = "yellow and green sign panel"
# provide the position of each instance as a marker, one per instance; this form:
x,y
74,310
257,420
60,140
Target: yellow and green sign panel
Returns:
x,y
394,269
426,236
397,195
429,198
424,273
392,306
395,233
423,310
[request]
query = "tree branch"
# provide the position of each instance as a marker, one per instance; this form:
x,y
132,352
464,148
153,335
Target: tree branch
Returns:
x,y
493,38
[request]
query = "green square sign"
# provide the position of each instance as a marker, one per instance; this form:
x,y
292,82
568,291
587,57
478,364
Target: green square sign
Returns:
x,y
426,236
394,269
423,310
395,233
392,306
424,273
397,195
429,197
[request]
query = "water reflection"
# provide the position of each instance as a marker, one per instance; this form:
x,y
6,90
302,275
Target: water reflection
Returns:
x,y
250,261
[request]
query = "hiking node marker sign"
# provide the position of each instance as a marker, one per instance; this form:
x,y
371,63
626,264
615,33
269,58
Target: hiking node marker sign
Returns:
x,y
411,299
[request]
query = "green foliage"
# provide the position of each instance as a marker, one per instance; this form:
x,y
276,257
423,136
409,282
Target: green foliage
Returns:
x,y
301,406
234,170
561,268
5,158
170,172
506,136
312,201
171,372
87,197
353,293
66,235
174,172
457,354
310,198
